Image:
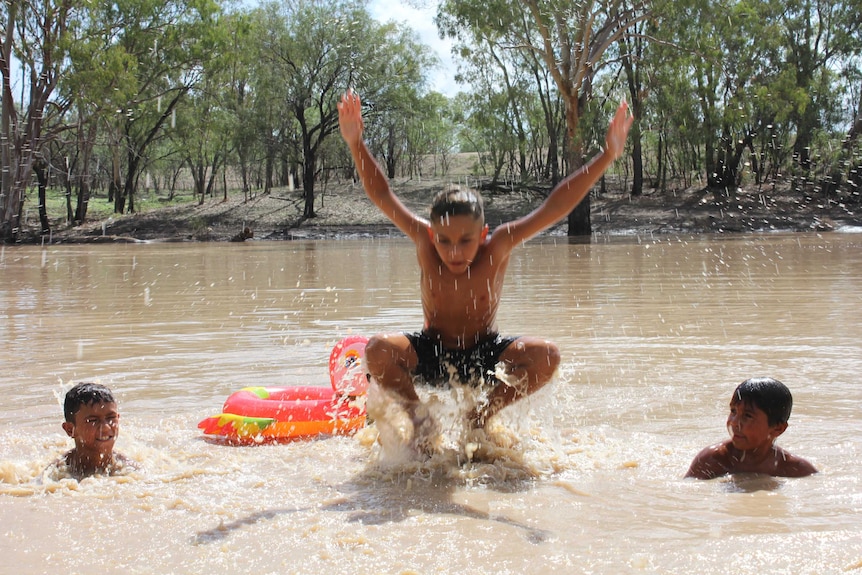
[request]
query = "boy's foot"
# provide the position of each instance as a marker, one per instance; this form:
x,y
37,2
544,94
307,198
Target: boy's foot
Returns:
x,y
403,426
477,418
426,431
488,446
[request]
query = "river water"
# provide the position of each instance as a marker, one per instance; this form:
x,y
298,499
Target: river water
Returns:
x,y
655,334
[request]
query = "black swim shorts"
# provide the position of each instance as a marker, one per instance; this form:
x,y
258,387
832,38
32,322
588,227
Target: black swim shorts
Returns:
x,y
472,366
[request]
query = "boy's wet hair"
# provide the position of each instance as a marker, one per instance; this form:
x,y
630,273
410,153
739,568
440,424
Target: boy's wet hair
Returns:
x,y
85,394
767,394
456,201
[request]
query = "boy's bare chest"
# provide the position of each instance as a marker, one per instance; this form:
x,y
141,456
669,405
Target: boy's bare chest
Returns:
x,y
472,294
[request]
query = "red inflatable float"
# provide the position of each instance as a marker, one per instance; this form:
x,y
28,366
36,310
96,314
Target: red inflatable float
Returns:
x,y
259,414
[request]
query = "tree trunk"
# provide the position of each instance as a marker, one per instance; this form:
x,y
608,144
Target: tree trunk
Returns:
x,y
68,185
83,200
579,218
637,160
308,183
115,185
42,179
391,153
634,49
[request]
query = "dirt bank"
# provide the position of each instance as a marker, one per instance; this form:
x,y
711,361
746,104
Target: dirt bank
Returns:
x,y
345,212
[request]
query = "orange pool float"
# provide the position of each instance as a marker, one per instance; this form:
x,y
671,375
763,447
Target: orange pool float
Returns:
x,y
261,414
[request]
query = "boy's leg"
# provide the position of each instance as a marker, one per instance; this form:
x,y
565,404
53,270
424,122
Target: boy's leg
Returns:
x,y
529,363
390,360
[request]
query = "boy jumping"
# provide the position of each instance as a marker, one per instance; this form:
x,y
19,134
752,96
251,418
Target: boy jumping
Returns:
x,y
462,272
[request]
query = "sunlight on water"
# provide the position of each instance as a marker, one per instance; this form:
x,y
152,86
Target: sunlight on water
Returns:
x,y
582,477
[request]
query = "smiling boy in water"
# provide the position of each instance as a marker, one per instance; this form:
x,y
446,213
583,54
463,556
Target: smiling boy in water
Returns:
x,y
93,421
759,410
462,271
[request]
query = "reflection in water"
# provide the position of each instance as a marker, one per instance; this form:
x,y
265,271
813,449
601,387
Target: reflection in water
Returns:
x,y
376,500
655,334
223,531
750,483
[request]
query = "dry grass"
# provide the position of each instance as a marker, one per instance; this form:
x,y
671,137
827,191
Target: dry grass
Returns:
x,y
344,211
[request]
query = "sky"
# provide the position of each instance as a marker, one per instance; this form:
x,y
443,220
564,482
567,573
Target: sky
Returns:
x,y
419,15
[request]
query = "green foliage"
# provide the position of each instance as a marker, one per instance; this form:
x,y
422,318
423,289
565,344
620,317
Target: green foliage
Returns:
x,y
731,91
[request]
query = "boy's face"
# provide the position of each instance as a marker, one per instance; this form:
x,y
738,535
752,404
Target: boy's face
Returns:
x,y
749,427
457,240
95,429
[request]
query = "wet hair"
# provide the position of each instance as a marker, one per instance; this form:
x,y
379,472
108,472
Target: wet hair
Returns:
x,y
85,394
767,394
455,201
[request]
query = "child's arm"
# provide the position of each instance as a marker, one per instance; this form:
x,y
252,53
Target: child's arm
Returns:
x,y
373,179
574,188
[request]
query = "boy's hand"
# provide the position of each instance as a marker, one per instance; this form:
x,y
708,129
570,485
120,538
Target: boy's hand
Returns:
x,y
618,130
350,118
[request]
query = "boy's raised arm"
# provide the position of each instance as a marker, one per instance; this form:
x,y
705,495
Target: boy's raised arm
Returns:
x,y
373,179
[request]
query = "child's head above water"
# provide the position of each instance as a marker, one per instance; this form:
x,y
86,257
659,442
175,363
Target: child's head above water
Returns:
x,y
759,410
85,394
767,394
93,422
455,201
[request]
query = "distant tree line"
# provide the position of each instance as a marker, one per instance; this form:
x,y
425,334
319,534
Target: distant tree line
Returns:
x,y
725,93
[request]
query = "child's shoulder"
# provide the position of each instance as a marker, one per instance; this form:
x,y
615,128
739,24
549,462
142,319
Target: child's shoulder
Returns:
x,y
57,469
789,465
712,461
64,467
716,450
122,465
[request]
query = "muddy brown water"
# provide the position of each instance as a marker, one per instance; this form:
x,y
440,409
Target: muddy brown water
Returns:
x,y
655,334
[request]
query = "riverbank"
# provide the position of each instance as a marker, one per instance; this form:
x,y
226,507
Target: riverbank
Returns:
x,y
344,212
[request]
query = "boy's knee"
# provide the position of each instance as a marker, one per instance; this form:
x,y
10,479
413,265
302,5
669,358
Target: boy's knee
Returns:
x,y
554,357
377,347
374,352
382,351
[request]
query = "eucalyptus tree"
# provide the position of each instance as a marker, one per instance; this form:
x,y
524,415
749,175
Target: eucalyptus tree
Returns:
x,y
853,165
317,49
394,95
209,118
438,131
164,47
239,74
551,103
431,133
671,125
269,124
203,134
493,69
489,131
98,82
730,71
570,38
819,35
310,47
634,47
34,41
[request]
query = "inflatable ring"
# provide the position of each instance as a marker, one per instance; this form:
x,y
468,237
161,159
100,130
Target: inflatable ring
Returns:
x,y
260,414
346,371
